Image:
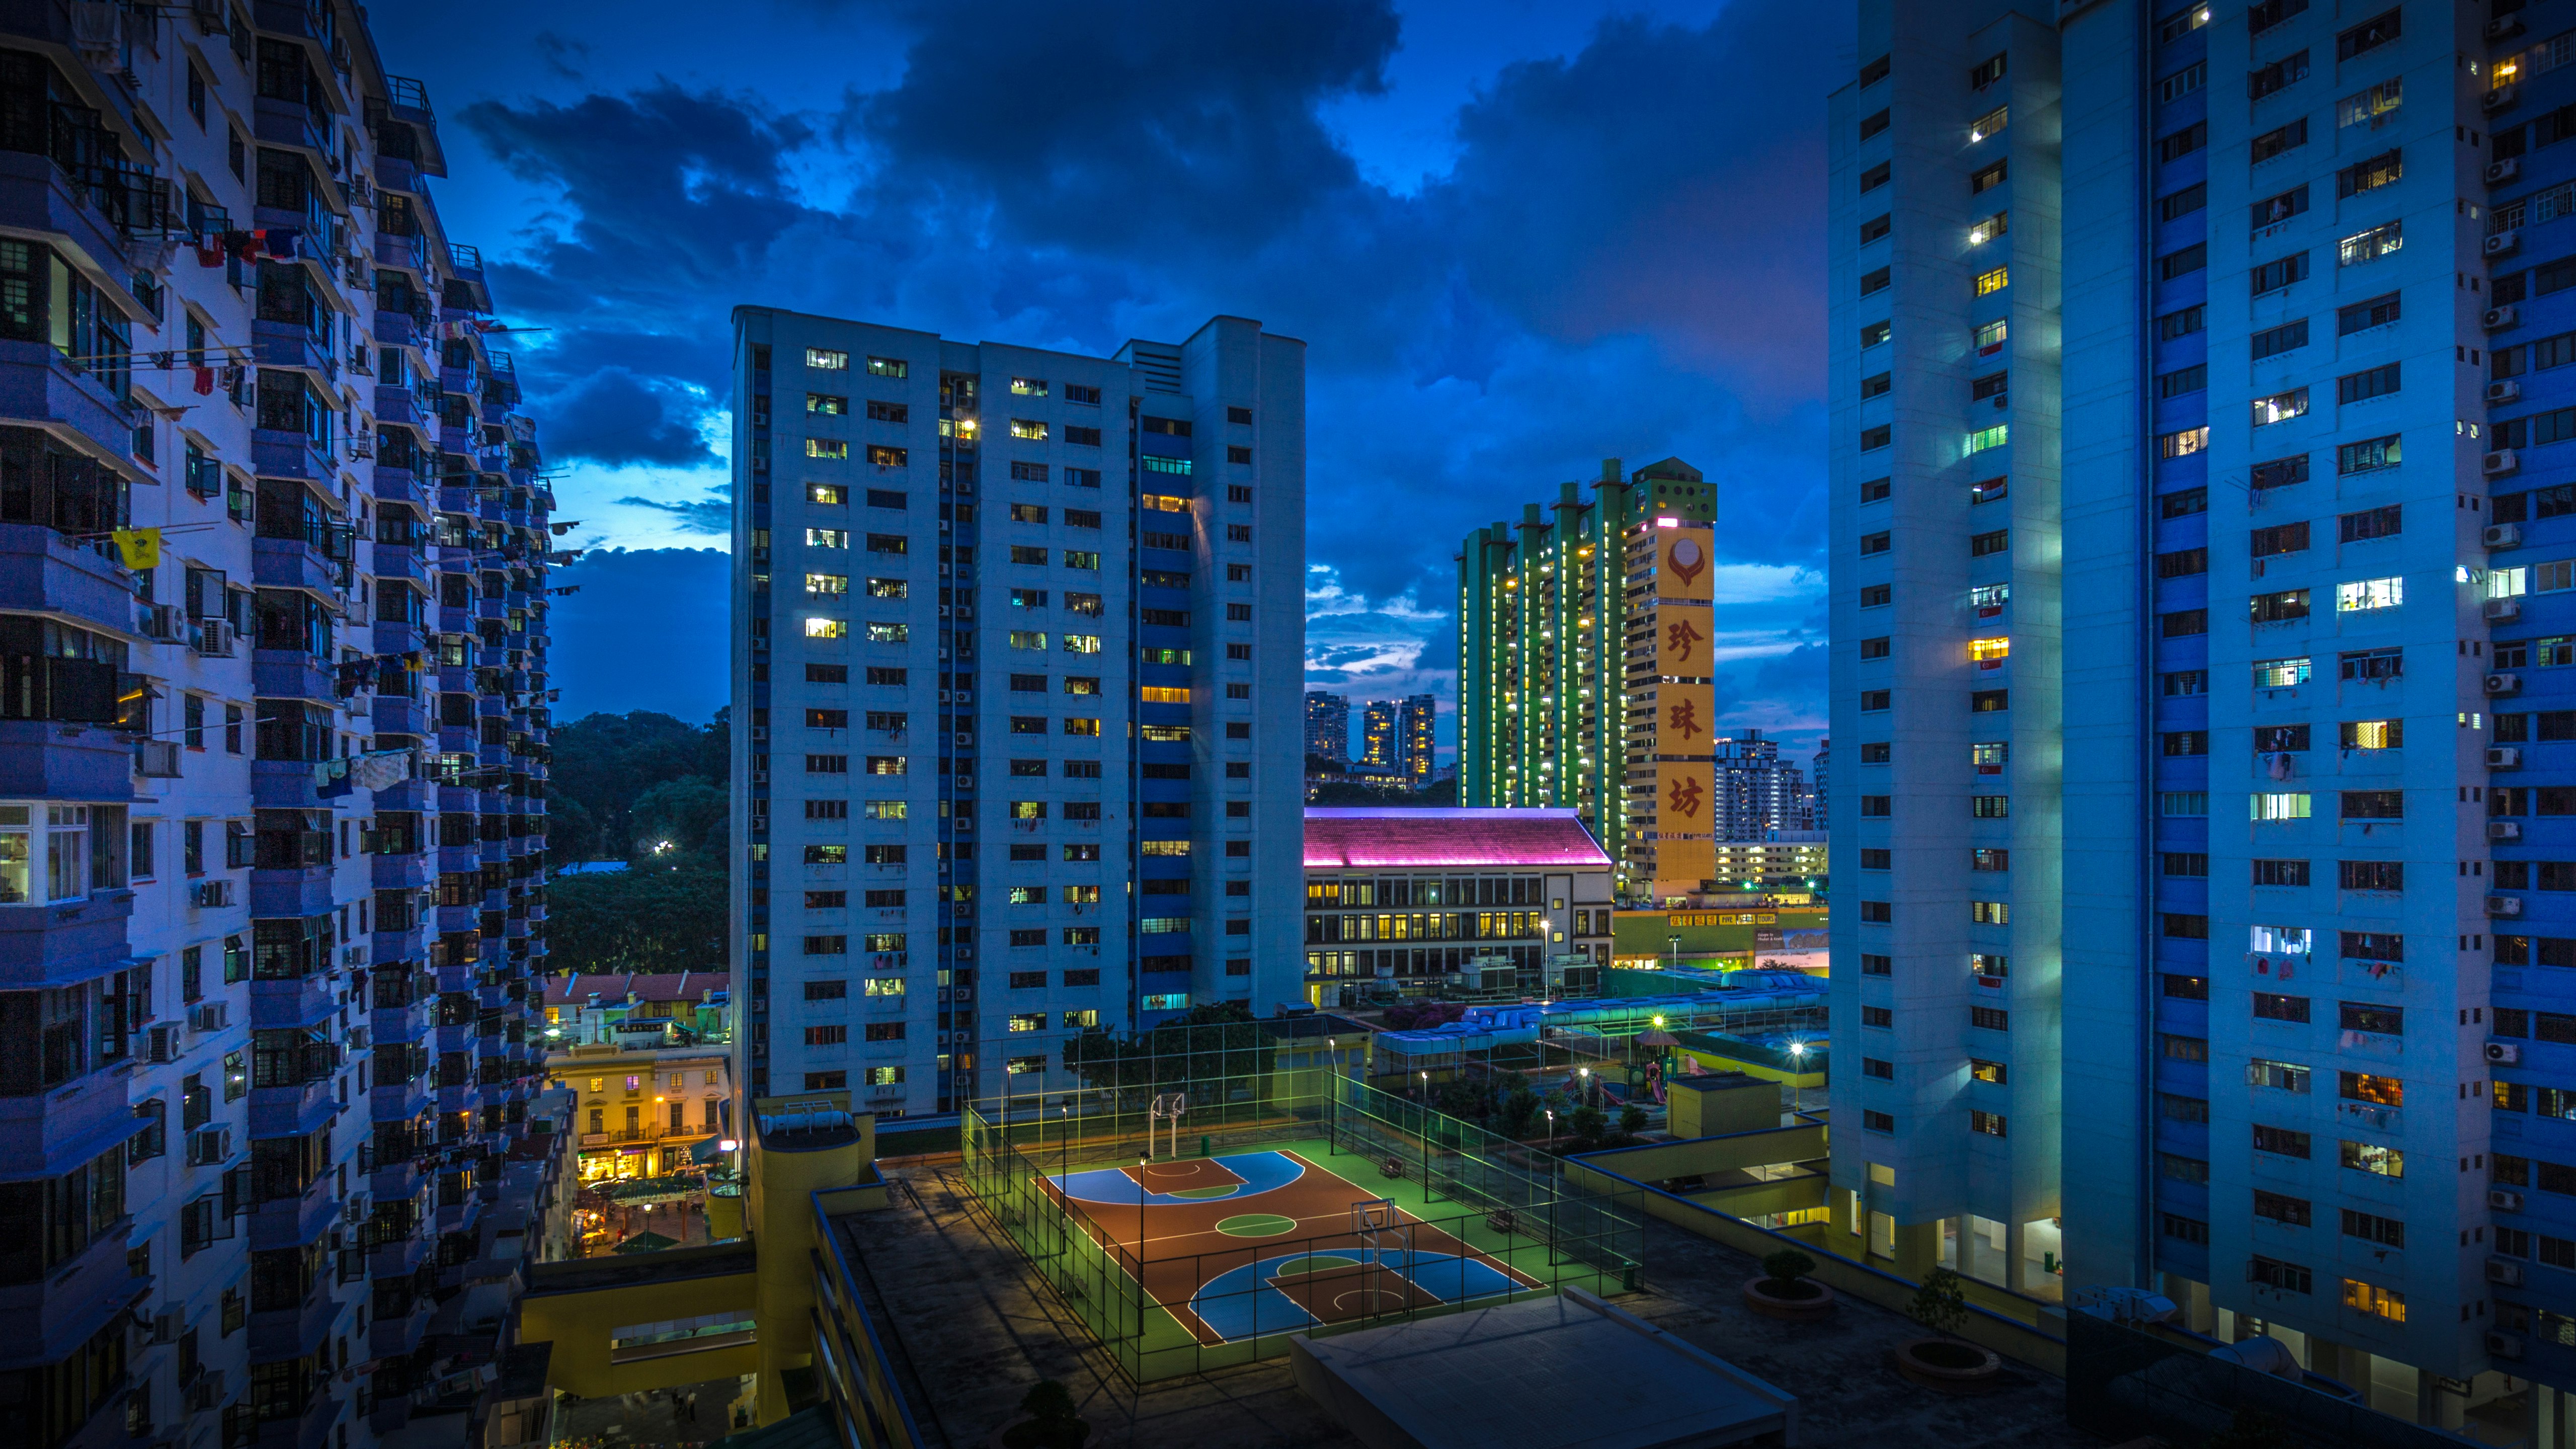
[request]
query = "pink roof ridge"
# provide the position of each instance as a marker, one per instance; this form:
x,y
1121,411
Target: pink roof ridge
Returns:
x,y
1389,836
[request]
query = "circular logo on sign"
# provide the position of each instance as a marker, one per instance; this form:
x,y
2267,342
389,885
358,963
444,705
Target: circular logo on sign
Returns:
x,y
1687,559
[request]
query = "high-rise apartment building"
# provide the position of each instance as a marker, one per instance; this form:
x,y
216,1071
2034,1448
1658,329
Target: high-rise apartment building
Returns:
x,y
1819,818
1008,622
1417,722
273,559
1755,791
1378,734
1583,667
1328,727
2274,292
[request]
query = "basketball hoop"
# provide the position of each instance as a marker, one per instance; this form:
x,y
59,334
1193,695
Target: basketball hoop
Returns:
x,y
1167,1106
1380,1229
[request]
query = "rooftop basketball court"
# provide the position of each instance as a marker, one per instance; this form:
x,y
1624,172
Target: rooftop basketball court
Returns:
x,y
1295,1212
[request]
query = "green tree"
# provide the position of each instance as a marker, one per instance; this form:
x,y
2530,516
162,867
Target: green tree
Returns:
x,y
646,918
605,761
1939,1303
572,832
686,815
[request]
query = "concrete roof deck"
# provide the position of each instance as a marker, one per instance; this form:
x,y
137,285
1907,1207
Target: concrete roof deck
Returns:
x,y
970,1331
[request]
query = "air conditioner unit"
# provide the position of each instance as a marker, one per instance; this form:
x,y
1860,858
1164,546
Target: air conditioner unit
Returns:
x,y
2504,830
2503,392
165,1326
2505,1271
161,621
2504,1199
2500,172
2498,464
210,1146
2504,905
215,638
2503,243
2502,611
2504,1054
210,1016
212,894
160,1044
2500,98
2502,535
2504,27
2504,1345
2504,684
2504,757
2500,318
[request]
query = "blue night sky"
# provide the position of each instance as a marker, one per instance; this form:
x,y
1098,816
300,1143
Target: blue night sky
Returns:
x,y
1517,237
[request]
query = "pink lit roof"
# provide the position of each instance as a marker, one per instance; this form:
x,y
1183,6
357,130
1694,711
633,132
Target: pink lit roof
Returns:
x,y
612,986
1363,836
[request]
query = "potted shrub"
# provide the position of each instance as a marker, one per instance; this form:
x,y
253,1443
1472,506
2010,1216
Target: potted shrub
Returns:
x,y
1944,1362
1048,1421
1785,1291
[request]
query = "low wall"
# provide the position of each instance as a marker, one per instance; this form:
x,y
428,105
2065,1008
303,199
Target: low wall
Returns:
x,y
2027,1339
577,1305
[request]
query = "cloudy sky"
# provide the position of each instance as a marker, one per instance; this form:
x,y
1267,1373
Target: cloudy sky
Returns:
x,y
1518,236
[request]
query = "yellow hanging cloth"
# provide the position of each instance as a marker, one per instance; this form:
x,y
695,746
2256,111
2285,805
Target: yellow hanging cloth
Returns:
x,y
141,547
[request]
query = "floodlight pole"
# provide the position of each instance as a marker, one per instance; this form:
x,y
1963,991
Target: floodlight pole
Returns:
x,y
1142,1162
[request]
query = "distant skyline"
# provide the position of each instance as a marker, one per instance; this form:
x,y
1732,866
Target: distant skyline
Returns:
x,y
1505,265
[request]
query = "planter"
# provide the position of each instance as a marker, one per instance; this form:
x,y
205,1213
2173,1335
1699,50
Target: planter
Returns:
x,y
1948,1365
1816,1302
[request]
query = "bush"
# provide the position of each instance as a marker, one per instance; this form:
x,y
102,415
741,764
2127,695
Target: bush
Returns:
x,y
1519,1110
1632,1120
1785,1267
1938,1304
1053,1422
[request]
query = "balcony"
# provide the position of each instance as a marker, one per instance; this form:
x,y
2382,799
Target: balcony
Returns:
x,y
38,386
292,344
295,1110
290,123
51,1318
396,714
401,872
41,571
293,674
63,943
62,758
280,453
302,1002
292,1333
96,211
314,564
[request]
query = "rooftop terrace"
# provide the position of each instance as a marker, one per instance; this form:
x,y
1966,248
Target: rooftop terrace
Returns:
x,y
1368,837
969,1331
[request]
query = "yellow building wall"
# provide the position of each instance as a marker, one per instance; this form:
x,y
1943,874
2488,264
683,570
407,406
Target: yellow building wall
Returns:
x,y
778,1203
579,1323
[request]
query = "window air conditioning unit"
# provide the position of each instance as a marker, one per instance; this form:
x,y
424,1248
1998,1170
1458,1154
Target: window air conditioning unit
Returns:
x,y
215,638
2503,392
2503,243
2504,1054
2505,1271
2500,318
212,894
2502,535
2504,830
210,1016
2500,172
160,1044
2498,464
2498,99
210,1146
2504,684
2504,1345
161,621
2504,27
2504,905
2504,757
2502,611
2504,1199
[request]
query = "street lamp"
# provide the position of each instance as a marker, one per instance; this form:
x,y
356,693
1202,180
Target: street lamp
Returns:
x,y
1583,1092
1551,1129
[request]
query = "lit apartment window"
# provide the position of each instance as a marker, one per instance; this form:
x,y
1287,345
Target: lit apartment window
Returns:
x,y
2279,407
1994,281
1991,123
1990,228
2378,1302
1989,653
883,366
2279,806
2282,673
2371,245
1989,1123
2369,594
1991,335
1984,438
827,360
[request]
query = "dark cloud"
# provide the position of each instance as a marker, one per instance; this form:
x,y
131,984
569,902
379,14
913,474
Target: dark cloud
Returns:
x,y
613,416
1626,258
701,515
638,613
561,55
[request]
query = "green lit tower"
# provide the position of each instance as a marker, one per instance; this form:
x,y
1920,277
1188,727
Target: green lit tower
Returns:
x,y
1546,608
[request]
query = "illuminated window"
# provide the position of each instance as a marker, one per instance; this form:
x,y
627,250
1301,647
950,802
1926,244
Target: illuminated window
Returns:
x,y
1990,228
2371,245
827,583
826,359
1030,428
2292,806
1990,124
826,448
2281,673
1994,281
1983,650
1081,643
2374,1300
1994,437
1164,694
885,986
1165,502
826,629
1028,387
2374,734
826,493
1992,334
884,367
2278,407
2369,594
